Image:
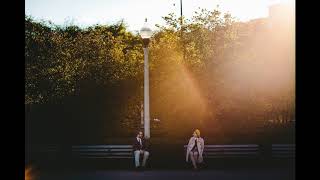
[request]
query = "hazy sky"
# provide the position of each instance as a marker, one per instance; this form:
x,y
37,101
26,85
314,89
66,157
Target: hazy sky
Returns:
x,y
88,12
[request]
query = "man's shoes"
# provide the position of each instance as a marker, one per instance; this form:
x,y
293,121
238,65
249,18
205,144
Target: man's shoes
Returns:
x,y
140,168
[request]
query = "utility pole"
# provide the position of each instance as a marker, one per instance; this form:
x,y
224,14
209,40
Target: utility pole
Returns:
x,y
181,29
182,38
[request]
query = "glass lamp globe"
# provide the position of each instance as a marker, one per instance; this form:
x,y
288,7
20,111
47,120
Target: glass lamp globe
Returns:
x,y
145,31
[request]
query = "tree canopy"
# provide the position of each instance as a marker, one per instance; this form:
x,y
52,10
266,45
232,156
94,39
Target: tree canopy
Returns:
x,y
233,74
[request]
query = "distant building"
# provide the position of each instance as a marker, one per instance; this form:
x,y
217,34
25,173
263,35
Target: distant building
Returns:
x,y
279,23
281,15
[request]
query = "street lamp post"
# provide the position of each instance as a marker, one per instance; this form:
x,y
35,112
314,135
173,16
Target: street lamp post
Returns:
x,y
146,33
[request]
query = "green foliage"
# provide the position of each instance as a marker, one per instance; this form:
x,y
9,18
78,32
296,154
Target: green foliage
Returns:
x,y
59,58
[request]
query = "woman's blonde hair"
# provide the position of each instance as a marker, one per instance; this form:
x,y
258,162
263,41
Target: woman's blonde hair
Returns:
x,y
197,131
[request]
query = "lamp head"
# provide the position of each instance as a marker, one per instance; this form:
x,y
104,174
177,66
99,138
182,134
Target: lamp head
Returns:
x,y
145,33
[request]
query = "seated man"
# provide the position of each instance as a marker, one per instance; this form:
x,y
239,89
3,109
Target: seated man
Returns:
x,y
140,147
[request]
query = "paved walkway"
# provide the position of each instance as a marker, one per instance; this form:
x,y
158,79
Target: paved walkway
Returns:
x,y
262,174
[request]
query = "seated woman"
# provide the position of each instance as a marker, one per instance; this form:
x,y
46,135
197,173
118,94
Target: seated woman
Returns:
x,y
195,149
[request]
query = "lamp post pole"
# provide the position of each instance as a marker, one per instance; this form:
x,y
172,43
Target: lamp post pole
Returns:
x,y
146,34
146,94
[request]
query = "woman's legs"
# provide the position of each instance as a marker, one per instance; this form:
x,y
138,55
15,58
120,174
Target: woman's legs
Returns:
x,y
194,158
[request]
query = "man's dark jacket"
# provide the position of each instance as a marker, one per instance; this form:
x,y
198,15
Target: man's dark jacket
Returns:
x,y
136,144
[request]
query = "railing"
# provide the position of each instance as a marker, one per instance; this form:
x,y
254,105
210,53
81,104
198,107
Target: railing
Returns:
x,y
102,151
278,151
230,151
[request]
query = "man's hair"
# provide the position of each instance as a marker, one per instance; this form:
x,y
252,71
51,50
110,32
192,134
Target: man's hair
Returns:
x,y
140,131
